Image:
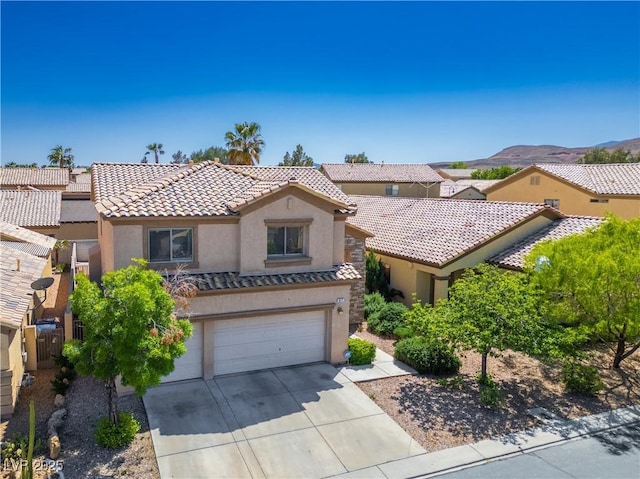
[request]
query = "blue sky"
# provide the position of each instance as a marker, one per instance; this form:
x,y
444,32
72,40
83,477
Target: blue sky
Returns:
x,y
403,82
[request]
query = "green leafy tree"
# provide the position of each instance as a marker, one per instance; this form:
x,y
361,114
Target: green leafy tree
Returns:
x,y
245,144
13,164
210,154
178,158
61,157
497,173
458,165
130,329
488,310
359,158
156,149
297,158
602,156
592,280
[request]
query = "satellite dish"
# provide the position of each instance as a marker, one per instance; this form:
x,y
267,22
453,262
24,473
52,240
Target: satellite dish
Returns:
x,y
42,284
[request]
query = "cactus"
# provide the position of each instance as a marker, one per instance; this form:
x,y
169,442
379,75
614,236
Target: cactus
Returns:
x,y
27,471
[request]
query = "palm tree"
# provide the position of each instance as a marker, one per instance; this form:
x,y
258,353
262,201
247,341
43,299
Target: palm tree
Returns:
x,y
245,144
156,149
61,157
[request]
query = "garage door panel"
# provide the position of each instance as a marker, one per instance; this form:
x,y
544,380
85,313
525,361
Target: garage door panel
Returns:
x,y
189,365
270,341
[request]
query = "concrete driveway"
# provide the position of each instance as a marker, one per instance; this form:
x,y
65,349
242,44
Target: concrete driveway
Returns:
x,y
305,421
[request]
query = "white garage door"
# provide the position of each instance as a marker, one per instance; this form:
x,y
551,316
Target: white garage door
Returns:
x,y
268,342
189,365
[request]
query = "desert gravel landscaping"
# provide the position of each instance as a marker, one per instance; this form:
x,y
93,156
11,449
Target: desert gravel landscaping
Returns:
x,y
439,417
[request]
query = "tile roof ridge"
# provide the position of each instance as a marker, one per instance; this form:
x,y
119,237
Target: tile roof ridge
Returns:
x,y
233,169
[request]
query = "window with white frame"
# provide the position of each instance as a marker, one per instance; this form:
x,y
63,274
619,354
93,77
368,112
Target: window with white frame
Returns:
x,y
170,245
392,190
285,241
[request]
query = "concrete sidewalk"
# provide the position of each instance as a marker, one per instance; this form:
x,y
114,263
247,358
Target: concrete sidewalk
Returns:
x,y
384,365
555,432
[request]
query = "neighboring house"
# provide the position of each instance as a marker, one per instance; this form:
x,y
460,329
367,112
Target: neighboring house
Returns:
x,y
37,211
410,180
79,225
513,256
590,190
465,189
266,246
25,256
454,174
38,178
427,243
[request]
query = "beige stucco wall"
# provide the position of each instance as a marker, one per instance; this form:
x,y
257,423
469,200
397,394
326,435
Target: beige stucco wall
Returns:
x,y
253,232
410,277
219,247
11,360
338,241
105,239
414,190
77,231
128,243
573,200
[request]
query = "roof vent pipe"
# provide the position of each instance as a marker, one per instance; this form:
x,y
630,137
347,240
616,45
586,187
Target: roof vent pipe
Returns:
x,y
17,264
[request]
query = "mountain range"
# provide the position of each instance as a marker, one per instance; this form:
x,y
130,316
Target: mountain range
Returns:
x,y
525,155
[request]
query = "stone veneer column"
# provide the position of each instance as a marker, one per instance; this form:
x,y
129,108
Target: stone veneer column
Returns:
x,y
356,248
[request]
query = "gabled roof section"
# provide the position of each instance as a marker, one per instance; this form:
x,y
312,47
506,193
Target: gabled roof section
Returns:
x,y
29,208
449,188
380,172
16,292
202,189
11,232
307,176
513,256
607,179
34,177
437,231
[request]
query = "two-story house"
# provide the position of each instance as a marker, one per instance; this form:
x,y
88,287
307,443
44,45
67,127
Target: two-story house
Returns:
x,y
416,180
266,246
591,190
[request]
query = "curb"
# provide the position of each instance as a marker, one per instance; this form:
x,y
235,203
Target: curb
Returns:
x,y
462,457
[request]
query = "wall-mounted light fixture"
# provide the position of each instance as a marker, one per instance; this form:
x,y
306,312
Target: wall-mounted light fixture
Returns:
x,y
340,310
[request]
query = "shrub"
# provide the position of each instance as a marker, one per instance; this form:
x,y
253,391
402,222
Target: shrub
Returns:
x,y
428,356
390,317
490,395
373,303
581,379
60,384
113,436
403,332
362,352
15,448
63,362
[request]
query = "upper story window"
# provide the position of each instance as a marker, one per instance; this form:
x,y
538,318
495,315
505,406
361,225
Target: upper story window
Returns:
x,y
285,240
554,203
599,200
534,180
392,190
170,245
